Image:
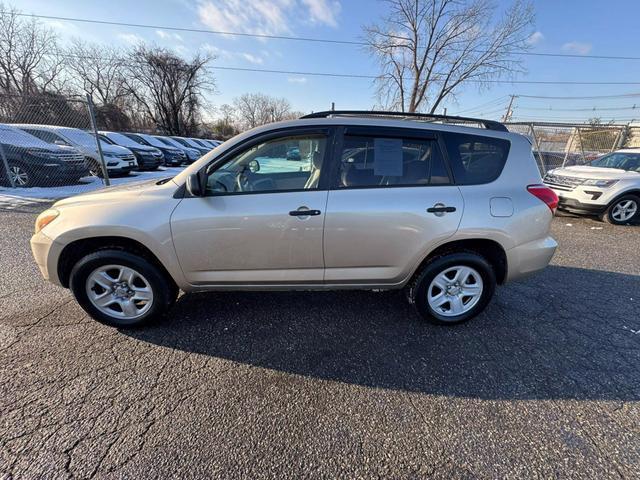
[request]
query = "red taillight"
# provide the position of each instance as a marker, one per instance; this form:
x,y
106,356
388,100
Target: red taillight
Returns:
x,y
545,194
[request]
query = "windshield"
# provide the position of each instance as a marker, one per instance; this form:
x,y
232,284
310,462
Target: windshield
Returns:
x,y
152,140
123,140
20,138
629,161
80,137
168,141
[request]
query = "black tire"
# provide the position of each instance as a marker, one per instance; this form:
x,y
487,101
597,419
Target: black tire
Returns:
x,y
95,169
23,170
608,215
418,290
164,291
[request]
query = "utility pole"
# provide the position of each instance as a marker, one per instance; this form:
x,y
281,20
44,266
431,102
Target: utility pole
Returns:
x,y
509,113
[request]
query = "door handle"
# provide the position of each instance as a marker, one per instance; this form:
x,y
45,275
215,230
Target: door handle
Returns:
x,y
439,208
304,213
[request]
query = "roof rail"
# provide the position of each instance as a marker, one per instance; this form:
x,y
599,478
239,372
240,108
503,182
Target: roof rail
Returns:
x,y
488,124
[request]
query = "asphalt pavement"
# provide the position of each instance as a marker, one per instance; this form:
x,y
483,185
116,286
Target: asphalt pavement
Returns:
x,y
545,383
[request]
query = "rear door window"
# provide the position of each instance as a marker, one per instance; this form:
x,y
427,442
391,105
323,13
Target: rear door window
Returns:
x,y
390,161
475,159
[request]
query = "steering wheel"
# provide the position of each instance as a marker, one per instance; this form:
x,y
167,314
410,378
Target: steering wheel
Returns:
x,y
242,181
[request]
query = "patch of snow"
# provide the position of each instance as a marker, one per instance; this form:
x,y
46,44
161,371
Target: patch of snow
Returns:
x,y
86,184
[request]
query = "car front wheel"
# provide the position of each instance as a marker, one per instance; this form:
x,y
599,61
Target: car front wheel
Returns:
x,y
624,210
121,289
453,288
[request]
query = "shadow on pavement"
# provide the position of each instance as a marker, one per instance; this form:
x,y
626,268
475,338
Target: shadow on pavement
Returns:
x,y
566,333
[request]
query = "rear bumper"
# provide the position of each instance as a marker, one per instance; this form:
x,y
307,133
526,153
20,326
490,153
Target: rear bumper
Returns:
x,y
529,258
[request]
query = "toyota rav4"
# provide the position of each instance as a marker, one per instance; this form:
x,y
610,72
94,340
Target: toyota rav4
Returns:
x,y
373,202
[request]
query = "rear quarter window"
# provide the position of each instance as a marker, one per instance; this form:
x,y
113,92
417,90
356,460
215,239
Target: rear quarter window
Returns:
x,y
476,159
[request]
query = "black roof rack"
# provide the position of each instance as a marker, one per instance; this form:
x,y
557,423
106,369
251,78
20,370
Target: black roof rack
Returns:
x,y
488,124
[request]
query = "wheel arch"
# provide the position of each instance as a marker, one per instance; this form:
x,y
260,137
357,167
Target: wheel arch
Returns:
x,y
77,249
632,191
491,250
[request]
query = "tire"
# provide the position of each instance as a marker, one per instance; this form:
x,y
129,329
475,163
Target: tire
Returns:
x,y
479,278
95,169
23,176
147,295
623,210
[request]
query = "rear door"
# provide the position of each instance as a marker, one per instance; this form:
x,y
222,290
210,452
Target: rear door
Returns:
x,y
392,200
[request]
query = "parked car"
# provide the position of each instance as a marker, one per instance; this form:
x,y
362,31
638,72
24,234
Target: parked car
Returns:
x,y
608,187
214,143
148,158
118,160
445,212
202,143
191,154
191,144
173,157
32,162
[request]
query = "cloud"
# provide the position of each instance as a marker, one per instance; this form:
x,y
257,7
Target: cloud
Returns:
x,y
131,38
252,58
324,11
263,17
297,79
266,17
578,48
535,38
168,35
231,55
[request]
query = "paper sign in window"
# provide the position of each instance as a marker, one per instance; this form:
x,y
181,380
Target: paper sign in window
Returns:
x,y
388,157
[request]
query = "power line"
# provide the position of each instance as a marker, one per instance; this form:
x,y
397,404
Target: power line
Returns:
x,y
592,109
285,37
517,82
592,97
373,77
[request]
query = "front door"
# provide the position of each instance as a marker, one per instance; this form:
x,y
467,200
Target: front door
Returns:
x,y
261,221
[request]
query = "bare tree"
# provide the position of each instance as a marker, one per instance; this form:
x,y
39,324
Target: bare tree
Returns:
x,y
30,58
168,89
255,109
427,49
99,71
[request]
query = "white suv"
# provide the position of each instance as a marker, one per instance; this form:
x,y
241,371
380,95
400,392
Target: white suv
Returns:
x,y
369,202
609,187
118,160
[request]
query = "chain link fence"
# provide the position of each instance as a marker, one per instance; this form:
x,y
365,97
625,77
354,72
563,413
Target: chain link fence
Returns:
x,y
560,144
49,141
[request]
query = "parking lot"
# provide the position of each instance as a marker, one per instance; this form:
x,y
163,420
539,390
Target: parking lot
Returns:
x,y
545,383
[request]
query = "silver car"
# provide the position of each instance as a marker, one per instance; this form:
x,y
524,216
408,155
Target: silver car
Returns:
x,y
370,202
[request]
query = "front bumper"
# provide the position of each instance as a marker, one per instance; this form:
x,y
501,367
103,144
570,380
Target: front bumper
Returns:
x,y
46,253
149,162
575,206
529,257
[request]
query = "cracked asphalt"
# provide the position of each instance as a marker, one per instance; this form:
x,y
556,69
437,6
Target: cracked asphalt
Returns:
x,y
329,385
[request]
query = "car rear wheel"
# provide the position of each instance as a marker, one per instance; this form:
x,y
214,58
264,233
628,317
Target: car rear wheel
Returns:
x,y
121,289
453,288
623,210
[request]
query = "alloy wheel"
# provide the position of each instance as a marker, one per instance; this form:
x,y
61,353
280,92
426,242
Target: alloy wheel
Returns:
x,y
624,211
19,175
455,291
119,291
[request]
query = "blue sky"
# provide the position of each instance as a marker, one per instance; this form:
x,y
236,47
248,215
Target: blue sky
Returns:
x,y
562,26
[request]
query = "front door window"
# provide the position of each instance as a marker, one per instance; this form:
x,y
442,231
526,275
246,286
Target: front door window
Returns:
x,y
278,165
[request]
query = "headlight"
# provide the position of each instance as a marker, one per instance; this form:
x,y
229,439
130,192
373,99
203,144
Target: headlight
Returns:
x,y
600,183
40,154
45,218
